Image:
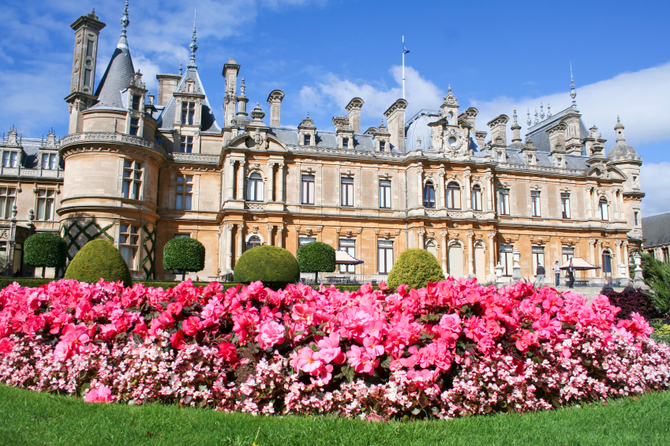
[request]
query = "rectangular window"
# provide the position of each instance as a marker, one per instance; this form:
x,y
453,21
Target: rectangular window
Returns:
x,y
49,161
89,48
87,77
535,203
307,140
384,256
136,102
385,194
45,204
128,242
602,208
453,196
565,206
382,146
566,254
349,246
305,240
538,257
308,189
10,159
134,126
636,215
132,179
7,200
506,259
187,112
186,144
666,254
184,192
345,143
476,198
503,196
347,191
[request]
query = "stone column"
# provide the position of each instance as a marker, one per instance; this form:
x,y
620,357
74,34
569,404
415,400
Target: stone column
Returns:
x,y
445,242
490,192
228,241
240,241
492,254
617,243
280,235
421,232
440,202
280,184
229,179
240,180
270,184
471,253
626,257
269,239
468,191
615,206
419,177
589,202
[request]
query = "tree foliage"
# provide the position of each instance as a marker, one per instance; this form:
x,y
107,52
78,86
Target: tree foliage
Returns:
x,y
657,277
274,266
45,249
184,254
316,257
99,259
415,268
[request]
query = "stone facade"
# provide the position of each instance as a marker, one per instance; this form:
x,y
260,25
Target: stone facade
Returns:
x,y
142,169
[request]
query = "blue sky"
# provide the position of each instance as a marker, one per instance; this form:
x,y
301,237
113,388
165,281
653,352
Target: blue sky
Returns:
x,y
497,56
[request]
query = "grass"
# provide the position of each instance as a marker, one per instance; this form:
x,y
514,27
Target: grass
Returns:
x,y
29,418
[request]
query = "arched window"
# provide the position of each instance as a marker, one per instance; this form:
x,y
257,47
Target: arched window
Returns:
x,y
476,198
253,241
453,196
429,195
255,187
607,262
602,208
431,246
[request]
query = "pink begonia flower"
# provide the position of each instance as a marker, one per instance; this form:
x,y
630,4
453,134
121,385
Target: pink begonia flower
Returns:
x,y
330,349
107,331
270,334
6,346
383,286
174,308
377,329
165,319
545,327
141,329
228,352
62,351
177,340
372,347
191,325
100,395
526,341
366,288
361,361
75,334
33,324
306,361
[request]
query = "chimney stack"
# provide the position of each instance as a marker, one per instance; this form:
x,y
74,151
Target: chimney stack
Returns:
x,y
395,118
274,99
354,108
498,128
167,84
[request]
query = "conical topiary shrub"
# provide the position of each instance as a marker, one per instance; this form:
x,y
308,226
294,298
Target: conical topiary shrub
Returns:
x,y
415,268
98,259
274,266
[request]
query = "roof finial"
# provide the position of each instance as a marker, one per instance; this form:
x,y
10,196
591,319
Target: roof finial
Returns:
x,y
515,123
529,121
536,117
573,92
548,110
193,46
180,69
123,42
541,111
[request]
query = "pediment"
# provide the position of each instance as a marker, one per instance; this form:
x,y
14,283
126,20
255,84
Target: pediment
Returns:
x,y
258,141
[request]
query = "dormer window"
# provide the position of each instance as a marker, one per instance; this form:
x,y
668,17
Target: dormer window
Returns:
x,y
10,159
187,112
186,144
307,140
49,161
345,143
382,146
136,101
134,126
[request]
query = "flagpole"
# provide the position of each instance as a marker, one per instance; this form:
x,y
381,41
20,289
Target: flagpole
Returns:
x,y
403,67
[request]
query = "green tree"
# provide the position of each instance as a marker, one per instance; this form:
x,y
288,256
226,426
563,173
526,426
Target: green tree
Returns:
x,y
99,259
184,254
45,250
415,268
274,266
316,257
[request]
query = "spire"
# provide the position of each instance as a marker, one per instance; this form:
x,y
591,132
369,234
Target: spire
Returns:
x,y
529,121
193,46
181,70
573,92
548,110
243,88
541,111
516,136
618,128
123,42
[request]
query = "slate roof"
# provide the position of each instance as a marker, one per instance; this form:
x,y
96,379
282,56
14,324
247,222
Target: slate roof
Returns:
x,y
31,151
539,136
117,77
208,121
656,230
325,139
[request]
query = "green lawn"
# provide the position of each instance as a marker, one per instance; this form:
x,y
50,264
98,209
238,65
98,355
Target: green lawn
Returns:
x,y
28,418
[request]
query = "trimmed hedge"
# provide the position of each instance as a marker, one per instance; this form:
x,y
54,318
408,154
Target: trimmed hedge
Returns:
x,y
184,254
45,250
274,266
316,257
99,259
24,281
415,268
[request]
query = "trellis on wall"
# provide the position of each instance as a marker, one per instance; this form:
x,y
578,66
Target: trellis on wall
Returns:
x,y
77,233
147,263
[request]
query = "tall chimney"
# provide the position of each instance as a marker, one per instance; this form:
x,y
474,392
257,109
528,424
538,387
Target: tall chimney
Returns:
x,y
395,117
354,108
274,99
230,71
167,84
498,128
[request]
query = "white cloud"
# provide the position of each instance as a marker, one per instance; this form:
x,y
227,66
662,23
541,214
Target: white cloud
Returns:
x,y
655,182
420,93
148,69
641,98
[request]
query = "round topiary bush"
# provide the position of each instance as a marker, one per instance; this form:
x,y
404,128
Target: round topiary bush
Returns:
x,y
184,254
415,268
316,257
45,250
274,266
98,259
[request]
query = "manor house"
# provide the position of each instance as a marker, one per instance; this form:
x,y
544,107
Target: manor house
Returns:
x,y
140,168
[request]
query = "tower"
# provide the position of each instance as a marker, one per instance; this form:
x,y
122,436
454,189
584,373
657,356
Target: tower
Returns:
x,y
87,30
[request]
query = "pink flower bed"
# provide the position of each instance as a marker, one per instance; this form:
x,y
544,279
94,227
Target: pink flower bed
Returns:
x,y
452,349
